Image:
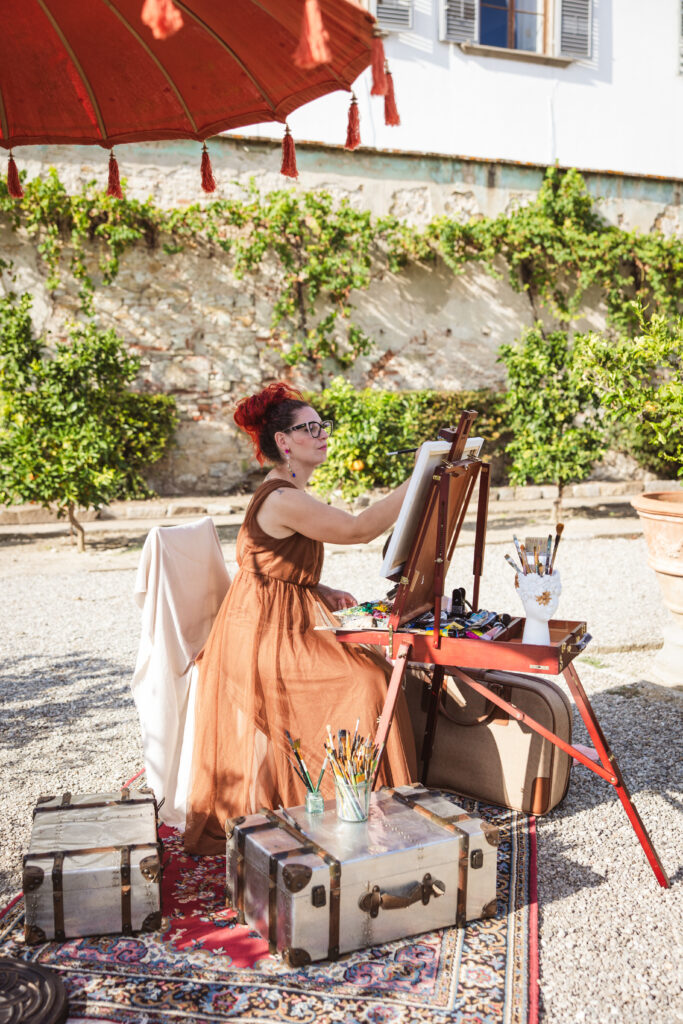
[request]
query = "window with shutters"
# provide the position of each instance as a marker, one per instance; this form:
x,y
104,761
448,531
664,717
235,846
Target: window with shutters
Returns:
x,y
396,15
459,21
505,24
512,24
521,26
575,28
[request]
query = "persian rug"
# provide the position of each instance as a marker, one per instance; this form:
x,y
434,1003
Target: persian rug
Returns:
x,y
205,967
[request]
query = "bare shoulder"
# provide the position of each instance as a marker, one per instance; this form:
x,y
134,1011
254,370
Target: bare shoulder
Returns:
x,y
289,497
284,509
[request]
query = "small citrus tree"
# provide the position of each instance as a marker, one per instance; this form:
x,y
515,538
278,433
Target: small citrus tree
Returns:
x,y
639,381
551,411
72,433
370,423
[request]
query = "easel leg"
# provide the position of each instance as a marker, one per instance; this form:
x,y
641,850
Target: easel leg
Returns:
x,y
609,761
432,717
387,716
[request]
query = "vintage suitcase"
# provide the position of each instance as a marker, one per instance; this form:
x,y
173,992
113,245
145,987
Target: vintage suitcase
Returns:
x,y
93,866
481,752
317,887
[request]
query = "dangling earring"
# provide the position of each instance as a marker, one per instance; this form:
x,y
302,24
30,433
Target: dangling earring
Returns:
x,y
289,464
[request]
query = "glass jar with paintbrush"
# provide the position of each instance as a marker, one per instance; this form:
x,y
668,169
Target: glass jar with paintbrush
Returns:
x,y
354,762
314,802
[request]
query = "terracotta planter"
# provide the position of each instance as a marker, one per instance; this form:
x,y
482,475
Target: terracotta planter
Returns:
x,y
661,514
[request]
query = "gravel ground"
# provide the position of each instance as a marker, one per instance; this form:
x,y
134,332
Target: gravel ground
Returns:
x,y
610,936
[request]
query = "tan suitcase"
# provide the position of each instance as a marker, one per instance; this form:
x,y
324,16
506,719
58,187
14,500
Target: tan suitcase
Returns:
x,y
482,753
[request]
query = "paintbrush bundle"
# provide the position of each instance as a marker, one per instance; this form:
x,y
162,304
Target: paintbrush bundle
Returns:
x,y
354,761
537,554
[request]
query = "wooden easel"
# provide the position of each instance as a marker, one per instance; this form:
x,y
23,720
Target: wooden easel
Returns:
x,y
421,583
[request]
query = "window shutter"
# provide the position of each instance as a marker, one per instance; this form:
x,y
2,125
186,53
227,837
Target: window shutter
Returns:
x,y
680,43
575,28
394,14
459,20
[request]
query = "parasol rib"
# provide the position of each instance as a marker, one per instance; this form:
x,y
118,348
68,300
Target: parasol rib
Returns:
x,y
228,49
153,57
3,116
76,64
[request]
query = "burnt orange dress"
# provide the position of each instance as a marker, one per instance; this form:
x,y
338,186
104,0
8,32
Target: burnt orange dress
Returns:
x,y
266,669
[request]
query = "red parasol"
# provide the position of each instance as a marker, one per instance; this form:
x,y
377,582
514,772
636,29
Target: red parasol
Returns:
x,y
92,73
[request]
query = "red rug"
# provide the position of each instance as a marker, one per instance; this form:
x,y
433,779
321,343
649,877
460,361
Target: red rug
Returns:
x,y
204,967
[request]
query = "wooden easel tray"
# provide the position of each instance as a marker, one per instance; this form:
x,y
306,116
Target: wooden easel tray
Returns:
x,y
505,652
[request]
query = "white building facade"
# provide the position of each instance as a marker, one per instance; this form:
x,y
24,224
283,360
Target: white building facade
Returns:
x,y
593,84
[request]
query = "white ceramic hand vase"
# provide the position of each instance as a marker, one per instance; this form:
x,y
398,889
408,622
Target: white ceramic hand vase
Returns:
x,y
540,596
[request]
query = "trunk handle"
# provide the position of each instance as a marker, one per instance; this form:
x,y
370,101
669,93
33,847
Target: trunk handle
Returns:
x,y
371,902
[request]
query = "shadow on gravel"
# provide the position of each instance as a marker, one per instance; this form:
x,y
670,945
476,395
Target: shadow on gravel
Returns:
x,y
105,541
228,533
10,886
94,541
30,677
514,523
617,510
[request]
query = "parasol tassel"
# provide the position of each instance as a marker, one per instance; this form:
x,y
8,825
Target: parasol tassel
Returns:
x,y
288,168
208,180
13,181
162,17
379,77
390,110
353,127
114,185
312,49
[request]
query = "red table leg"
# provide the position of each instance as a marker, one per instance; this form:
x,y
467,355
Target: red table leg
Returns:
x,y
608,770
609,761
387,716
432,718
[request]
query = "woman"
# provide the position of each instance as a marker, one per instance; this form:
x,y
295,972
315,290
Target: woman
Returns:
x,y
265,670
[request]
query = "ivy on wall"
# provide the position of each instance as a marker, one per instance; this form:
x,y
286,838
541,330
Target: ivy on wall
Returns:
x,y
555,249
323,251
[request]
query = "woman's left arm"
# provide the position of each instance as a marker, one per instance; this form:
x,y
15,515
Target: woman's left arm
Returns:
x,y
336,599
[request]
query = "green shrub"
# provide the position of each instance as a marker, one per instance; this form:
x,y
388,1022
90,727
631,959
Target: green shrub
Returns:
x,y
551,410
370,423
72,433
639,382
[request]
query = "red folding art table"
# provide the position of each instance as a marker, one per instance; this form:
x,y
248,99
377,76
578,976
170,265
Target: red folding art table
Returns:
x,y
420,588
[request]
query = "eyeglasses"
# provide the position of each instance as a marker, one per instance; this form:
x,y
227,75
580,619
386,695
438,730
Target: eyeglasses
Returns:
x,y
313,427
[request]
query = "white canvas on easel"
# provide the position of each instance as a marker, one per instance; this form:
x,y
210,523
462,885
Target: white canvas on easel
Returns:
x,y
431,454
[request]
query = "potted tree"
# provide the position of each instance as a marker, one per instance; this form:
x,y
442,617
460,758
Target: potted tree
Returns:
x,y
640,380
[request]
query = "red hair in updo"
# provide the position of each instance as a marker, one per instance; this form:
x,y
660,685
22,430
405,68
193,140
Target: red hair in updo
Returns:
x,y
263,415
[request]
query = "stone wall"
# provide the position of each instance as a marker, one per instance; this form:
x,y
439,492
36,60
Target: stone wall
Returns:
x,y
205,336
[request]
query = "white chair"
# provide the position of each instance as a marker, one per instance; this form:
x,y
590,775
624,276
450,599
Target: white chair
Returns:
x,y
180,585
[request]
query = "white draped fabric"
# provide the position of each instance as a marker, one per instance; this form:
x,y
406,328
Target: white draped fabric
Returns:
x,y
180,585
